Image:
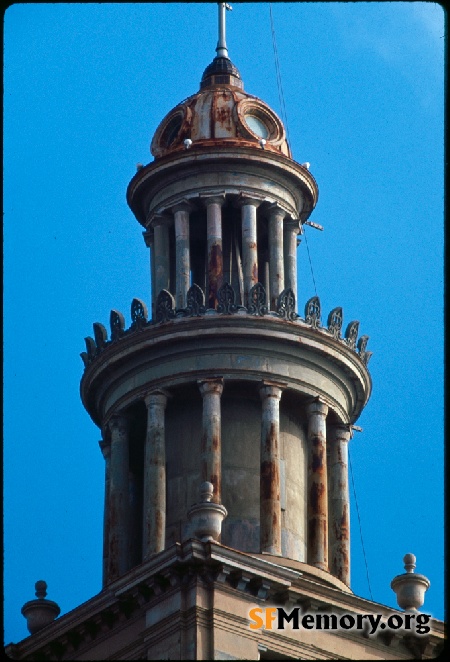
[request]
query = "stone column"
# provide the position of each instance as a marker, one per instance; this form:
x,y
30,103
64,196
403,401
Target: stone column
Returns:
x,y
105,447
214,247
339,503
291,230
161,252
118,545
276,257
249,245
270,504
182,253
154,500
211,447
149,238
317,486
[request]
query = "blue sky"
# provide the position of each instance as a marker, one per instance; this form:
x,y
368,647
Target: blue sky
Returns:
x,y
85,86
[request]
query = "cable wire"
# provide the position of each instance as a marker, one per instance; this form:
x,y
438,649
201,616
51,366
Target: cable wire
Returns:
x,y
278,75
284,114
360,527
310,264
285,120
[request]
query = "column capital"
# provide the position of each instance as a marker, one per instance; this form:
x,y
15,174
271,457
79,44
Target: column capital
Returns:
x,y
214,385
341,432
183,205
269,389
158,218
214,199
118,423
159,397
149,237
105,447
274,210
317,407
293,224
245,199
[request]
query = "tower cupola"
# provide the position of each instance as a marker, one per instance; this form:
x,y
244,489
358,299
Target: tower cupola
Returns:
x,y
223,382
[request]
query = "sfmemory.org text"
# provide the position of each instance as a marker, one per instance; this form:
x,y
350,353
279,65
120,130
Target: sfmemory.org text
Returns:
x,y
276,618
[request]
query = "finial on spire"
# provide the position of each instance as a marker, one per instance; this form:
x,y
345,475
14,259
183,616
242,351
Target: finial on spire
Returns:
x,y
221,49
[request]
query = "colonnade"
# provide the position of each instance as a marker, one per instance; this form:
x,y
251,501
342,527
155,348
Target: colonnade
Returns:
x,y
328,539
282,263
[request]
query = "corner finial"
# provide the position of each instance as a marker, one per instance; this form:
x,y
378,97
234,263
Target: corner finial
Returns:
x,y
410,588
221,49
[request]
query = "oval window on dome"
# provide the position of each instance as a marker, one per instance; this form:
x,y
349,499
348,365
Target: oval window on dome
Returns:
x,y
257,126
171,131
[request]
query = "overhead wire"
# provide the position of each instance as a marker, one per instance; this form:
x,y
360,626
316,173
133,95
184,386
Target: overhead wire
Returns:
x,y
360,527
286,124
284,116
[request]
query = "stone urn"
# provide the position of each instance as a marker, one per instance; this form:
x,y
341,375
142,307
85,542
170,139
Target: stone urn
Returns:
x,y
409,587
40,612
206,517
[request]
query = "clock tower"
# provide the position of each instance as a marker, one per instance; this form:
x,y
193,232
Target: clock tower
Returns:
x,y
225,410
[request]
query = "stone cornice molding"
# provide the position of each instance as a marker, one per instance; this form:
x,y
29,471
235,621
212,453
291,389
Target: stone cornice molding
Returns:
x,y
221,568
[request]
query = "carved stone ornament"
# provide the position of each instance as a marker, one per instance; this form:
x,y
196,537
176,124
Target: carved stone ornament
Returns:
x,y
351,334
164,307
195,301
334,322
257,300
85,359
363,355
226,298
138,314
100,335
313,312
91,348
286,305
117,324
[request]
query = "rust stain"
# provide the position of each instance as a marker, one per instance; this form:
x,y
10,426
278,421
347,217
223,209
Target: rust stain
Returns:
x,y
222,115
215,261
215,480
269,481
317,462
316,504
271,440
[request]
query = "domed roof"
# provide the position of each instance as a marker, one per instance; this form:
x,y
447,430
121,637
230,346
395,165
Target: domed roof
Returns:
x,y
220,113
224,68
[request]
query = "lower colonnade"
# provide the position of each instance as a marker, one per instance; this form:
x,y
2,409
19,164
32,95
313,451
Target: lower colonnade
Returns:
x,y
327,491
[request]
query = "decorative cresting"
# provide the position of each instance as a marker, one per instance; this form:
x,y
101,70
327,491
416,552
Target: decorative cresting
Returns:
x,y
257,300
166,311
351,334
195,301
226,297
363,355
312,312
286,305
138,315
117,323
334,322
165,307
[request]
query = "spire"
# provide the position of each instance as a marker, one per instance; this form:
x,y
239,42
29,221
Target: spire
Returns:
x,y
221,49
